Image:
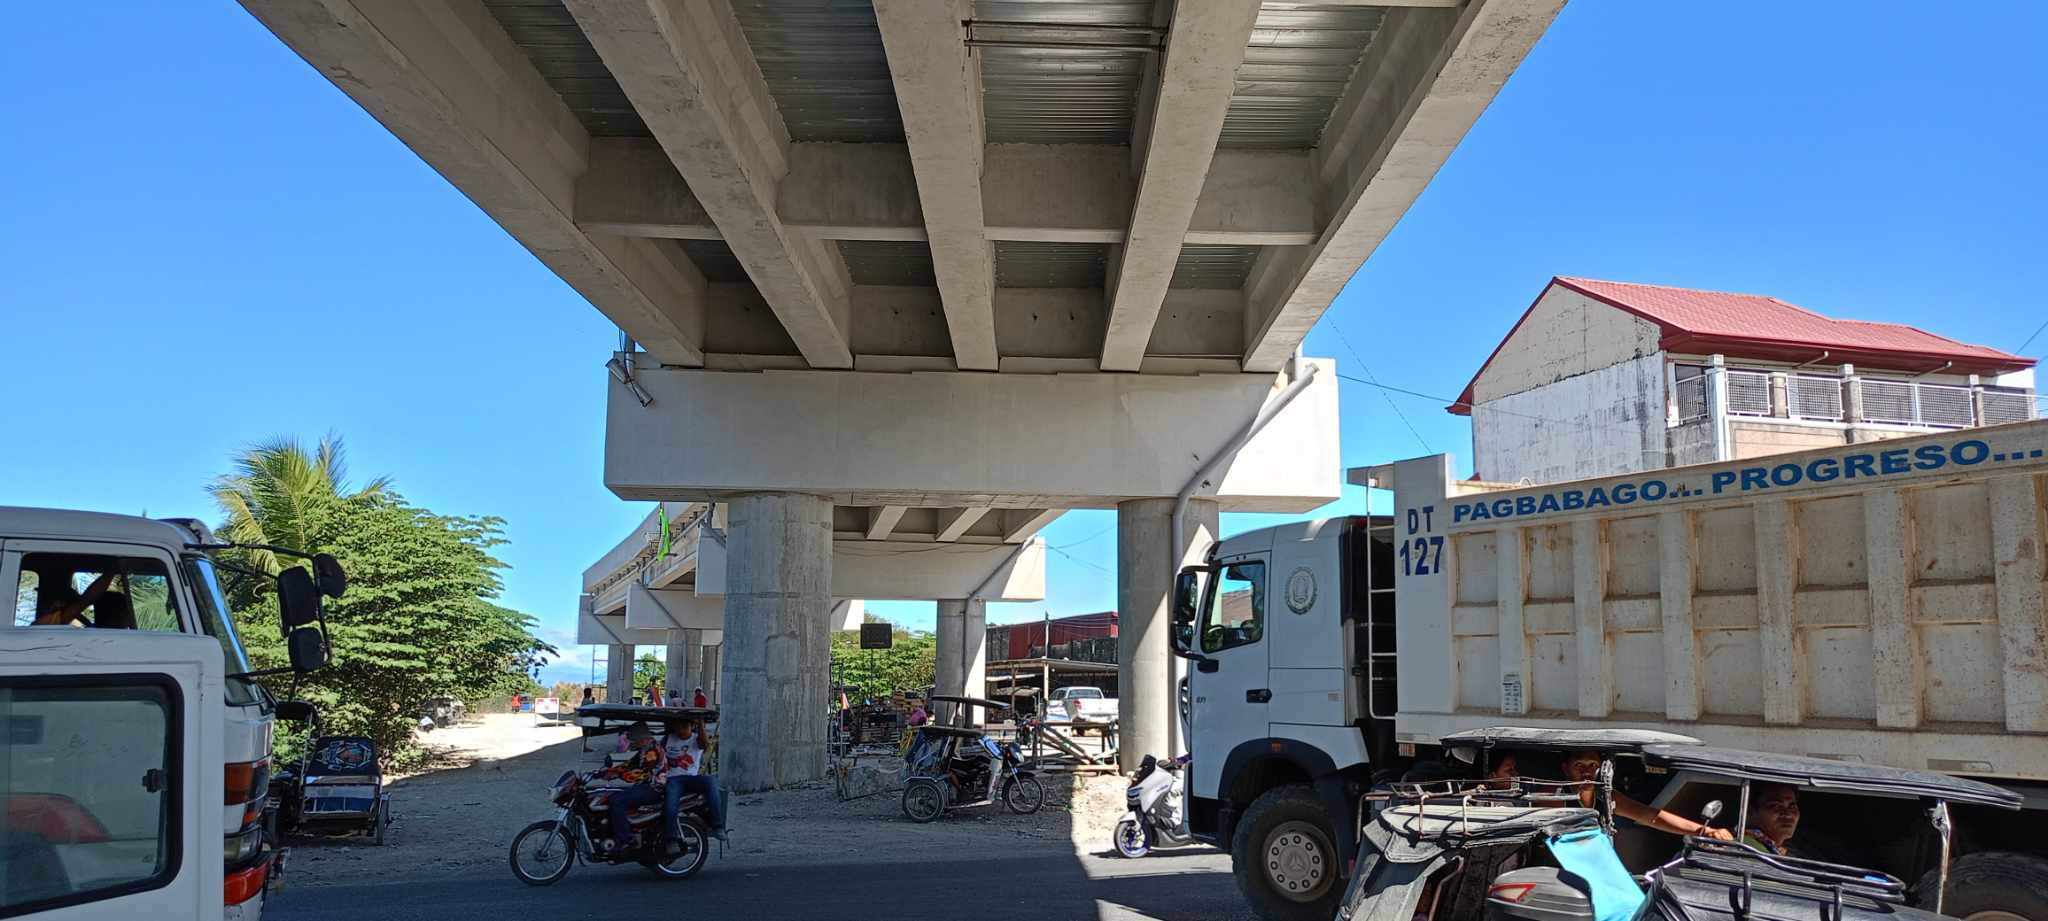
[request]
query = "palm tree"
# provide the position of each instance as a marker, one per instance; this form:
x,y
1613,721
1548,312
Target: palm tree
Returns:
x,y
276,484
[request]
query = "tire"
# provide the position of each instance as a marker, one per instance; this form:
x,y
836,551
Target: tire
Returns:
x,y
379,820
1132,838
1992,886
546,843
683,856
1284,856
924,800
1023,795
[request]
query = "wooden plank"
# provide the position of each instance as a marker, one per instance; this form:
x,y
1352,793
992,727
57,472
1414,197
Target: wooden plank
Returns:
x,y
1511,554
1589,602
1675,537
2017,532
1784,658
1896,670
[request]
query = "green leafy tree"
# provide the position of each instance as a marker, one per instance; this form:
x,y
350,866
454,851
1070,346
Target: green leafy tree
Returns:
x,y
418,620
907,665
646,669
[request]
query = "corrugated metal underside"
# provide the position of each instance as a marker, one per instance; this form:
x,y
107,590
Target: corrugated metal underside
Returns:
x,y
1022,264
1061,95
888,262
556,46
824,64
1299,59
1206,265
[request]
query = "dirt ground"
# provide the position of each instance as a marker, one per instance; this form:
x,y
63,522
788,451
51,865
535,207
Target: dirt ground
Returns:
x,y
488,779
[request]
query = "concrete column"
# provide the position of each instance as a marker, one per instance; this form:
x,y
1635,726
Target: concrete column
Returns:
x,y
948,674
685,663
1717,407
974,648
778,575
710,674
618,673
1148,673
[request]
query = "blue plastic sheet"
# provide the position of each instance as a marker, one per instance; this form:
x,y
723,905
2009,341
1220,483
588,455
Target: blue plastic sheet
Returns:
x,y
1588,855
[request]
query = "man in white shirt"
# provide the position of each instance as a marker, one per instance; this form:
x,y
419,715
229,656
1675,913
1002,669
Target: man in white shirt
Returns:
x,y
682,749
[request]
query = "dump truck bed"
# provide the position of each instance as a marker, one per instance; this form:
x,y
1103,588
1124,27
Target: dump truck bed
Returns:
x,y
1790,603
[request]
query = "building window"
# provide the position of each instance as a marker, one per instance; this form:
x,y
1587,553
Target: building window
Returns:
x,y
1691,383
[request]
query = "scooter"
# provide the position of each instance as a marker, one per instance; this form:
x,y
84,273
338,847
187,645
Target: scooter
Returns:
x,y
1154,801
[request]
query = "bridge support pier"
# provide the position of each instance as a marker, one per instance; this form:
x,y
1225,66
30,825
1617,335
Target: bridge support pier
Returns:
x,y
1148,674
685,670
962,653
618,673
778,638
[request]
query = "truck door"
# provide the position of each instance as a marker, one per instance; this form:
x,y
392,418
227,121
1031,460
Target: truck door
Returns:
x,y
1232,690
111,753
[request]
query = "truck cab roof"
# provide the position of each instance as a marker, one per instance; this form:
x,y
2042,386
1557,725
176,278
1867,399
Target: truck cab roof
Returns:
x,y
71,524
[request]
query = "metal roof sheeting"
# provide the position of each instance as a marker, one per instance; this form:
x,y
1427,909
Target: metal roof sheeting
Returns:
x,y
1023,264
1299,59
888,262
556,46
1060,95
824,64
1211,265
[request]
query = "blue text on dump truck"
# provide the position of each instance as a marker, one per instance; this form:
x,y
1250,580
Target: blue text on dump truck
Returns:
x,y
1871,464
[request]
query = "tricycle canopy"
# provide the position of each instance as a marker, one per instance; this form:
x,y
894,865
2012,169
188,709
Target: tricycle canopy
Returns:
x,y
1852,777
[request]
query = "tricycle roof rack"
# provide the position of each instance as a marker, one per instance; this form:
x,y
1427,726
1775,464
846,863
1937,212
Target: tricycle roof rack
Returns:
x,y
1854,777
611,717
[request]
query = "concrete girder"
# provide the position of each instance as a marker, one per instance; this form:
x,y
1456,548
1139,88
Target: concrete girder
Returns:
x,y
882,520
914,571
691,75
1197,77
954,522
1053,193
1039,441
938,89
1421,85
669,610
445,79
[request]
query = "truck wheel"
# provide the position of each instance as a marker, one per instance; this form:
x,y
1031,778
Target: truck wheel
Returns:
x,y
1285,857
1992,886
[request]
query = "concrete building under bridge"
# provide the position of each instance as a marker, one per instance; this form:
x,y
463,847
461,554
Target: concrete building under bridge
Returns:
x,y
960,264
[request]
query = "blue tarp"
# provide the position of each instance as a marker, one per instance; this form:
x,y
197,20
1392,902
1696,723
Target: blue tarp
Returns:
x,y
1588,856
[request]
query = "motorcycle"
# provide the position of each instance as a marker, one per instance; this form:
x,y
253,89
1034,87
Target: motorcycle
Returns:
x,y
1154,801
543,852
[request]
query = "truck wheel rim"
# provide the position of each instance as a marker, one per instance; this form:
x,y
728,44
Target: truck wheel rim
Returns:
x,y
1297,862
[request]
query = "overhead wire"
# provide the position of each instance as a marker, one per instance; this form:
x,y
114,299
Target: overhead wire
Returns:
x,y
1346,340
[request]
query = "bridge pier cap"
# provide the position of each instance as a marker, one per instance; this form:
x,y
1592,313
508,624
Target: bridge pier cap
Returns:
x,y
1080,440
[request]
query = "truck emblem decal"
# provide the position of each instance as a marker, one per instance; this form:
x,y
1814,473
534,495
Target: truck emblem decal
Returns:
x,y
1301,590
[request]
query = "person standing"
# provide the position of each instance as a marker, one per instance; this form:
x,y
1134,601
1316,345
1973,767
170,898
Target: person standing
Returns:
x,y
698,699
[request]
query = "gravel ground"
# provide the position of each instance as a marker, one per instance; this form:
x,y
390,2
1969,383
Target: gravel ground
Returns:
x,y
487,779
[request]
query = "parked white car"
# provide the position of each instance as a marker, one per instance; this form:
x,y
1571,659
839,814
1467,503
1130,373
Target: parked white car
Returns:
x,y
1081,705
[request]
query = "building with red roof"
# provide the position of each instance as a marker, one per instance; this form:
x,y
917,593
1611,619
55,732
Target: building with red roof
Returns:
x,y
1606,377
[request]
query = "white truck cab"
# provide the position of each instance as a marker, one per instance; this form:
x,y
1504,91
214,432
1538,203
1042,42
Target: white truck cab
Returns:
x,y
110,771
74,574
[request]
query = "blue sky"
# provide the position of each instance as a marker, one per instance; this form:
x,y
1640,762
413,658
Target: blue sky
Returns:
x,y
206,244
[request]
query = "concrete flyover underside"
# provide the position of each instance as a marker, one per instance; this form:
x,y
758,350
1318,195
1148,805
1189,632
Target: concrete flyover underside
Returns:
x,y
976,271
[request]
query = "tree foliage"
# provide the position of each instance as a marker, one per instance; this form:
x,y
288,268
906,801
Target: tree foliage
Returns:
x,y
908,665
418,620
648,668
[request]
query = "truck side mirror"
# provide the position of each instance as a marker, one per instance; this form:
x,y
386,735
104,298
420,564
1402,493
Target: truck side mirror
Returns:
x,y
1187,595
308,649
328,575
294,711
298,601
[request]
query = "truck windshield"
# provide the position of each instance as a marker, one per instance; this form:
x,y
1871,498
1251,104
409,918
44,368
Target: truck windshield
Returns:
x,y
213,618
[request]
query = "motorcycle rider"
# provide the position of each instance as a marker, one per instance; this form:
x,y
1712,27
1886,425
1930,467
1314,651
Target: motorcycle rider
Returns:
x,y
682,746
643,761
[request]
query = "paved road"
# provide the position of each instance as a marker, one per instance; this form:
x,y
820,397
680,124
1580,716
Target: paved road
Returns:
x,y
993,887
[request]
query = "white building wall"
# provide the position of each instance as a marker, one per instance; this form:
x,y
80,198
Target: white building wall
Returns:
x,y
1565,335
1603,422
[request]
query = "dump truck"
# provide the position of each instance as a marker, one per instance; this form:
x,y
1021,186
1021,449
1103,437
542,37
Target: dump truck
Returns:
x,y
1879,602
